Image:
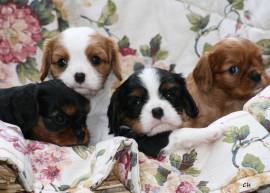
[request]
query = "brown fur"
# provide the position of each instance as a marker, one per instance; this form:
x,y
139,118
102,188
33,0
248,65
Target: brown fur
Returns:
x,y
69,109
216,91
66,137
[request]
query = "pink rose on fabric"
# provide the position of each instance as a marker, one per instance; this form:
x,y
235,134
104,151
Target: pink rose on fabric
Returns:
x,y
124,163
51,173
185,187
127,51
33,146
19,33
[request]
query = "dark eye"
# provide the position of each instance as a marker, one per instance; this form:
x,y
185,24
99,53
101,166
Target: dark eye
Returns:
x,y
135,101
170,94
60,119
95,60
62,63
234,70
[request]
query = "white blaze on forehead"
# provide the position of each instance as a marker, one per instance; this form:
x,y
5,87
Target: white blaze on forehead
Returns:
x,y
151,81
76,40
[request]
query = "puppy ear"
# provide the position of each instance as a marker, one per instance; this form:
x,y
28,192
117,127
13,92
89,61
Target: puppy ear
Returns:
x,y
47,57
202,73
114,112
25,108
190,106
114,59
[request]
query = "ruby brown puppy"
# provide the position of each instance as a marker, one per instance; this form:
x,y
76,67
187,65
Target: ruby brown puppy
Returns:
x,y
224,79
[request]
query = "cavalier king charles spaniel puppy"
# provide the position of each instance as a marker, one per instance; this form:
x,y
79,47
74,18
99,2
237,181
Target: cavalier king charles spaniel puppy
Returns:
x,y
48,111
224,79
87,62
148,106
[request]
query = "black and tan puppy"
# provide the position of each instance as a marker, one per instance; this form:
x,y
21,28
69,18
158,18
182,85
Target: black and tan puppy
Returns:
x,y
48,111
148,106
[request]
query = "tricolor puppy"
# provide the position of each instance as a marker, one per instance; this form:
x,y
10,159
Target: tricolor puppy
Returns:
x,y
48,111
86,61
224,79
148,106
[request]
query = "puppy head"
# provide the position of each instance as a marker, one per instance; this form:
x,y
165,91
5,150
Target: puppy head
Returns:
x,y
52,112
235,66
81,58
150,101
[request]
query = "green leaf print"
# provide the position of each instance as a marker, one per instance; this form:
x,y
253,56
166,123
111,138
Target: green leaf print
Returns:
x,y
243,132
188,160
252,161
108,15
44,11
207,47
124,42
63,187
161,55
145,50
175,160
161,175
231,135
238,4
198,21
192,171
28,71
155,44
100,152
265,46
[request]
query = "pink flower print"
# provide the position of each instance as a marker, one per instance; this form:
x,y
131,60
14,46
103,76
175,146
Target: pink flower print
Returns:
x,y
33,146
185,187
19,33
127,51
51,173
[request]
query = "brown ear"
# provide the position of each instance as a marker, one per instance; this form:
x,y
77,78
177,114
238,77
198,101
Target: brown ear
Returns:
x,y
47,57
114,59
202,73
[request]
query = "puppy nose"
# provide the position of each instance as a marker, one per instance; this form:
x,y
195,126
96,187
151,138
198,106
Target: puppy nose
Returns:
x,y
79,77
80,135
157,112
256,77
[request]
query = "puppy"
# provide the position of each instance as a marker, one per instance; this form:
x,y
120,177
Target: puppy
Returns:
x,y
224,79
84,59
48,111
148,106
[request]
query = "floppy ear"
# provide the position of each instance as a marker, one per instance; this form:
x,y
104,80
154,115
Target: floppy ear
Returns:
x,y
114,112
25,108
190,106
114,59
47,57
202,73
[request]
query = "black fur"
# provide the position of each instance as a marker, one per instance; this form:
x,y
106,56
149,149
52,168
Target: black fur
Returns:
x,y
23,105
123,105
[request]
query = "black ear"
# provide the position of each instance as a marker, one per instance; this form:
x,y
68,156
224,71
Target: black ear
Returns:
x,y
190,106
114,112
24,106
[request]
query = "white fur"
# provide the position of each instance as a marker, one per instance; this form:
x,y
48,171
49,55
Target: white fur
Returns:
x,y
187,138
171,119
76,40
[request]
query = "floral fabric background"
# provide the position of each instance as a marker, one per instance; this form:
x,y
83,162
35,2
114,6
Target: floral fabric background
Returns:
x,y
171,34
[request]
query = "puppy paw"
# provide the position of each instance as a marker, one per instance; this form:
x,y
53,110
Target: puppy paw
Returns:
x,y
214,135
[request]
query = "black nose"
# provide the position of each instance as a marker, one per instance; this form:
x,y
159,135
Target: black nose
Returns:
x,y
80,135
79,77
256,77
157,112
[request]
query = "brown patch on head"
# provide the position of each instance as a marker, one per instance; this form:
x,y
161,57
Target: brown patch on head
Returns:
x,y
107,51
168,85
69,109
53,51
65,137
214,68
138,92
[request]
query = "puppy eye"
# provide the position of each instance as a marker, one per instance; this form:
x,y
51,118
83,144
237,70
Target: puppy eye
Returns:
x,y
60,119
169,94
135,101
62,62
234,70
95,60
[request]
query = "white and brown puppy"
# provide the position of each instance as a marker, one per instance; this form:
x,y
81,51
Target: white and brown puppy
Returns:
x,y
148,106
84,59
